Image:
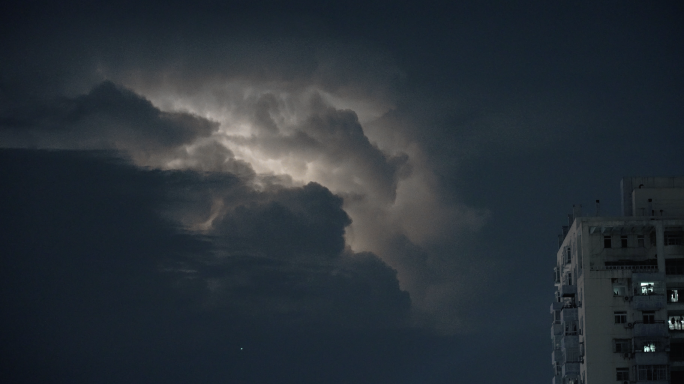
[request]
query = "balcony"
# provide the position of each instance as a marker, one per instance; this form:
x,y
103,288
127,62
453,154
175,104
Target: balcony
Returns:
x,y
571,369
657,329
570,342
556,356
639,266
568,290
651,358
556,329
649,302
556,306
569,313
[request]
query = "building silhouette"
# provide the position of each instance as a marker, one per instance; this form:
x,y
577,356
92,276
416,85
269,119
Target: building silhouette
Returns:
x,y
618,313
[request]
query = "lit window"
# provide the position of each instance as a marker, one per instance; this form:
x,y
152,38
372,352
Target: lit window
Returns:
x,y
649,347
676,323
619,290
620,317
647,288
673,296
619,287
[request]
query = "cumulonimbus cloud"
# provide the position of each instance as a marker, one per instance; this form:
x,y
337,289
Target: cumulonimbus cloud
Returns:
x,y
275,141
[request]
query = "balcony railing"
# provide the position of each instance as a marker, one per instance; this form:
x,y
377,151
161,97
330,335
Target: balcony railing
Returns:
x,y
648,268
658,328
648,302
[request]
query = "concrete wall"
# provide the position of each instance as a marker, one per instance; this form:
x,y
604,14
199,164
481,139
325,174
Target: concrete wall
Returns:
x,y
668,200
629,184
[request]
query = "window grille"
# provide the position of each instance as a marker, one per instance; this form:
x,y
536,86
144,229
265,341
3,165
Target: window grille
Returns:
x,y
652,372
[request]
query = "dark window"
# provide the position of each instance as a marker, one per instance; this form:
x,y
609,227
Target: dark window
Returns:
x,y
673,238
652,372
620,317
677,352
676,376
622,374
674,266
623,241
622,345
640,241
607,243
649,317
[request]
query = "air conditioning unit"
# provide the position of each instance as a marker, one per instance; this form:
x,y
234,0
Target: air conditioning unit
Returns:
x,y
630,325
625,382
625,355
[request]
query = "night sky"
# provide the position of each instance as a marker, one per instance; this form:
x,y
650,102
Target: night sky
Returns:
x,y
312,192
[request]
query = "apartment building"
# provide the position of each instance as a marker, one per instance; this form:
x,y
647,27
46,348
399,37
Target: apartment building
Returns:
x,y
618,313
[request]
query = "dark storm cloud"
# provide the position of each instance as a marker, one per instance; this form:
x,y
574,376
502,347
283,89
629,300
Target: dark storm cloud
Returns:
x,y
287,223
108,117
507,113
91,231
279,255
94,277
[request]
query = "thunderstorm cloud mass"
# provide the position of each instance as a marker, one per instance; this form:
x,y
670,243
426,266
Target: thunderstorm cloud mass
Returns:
x,y
311,192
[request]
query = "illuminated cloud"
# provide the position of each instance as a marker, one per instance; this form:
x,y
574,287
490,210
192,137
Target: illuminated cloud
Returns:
x,y
275,140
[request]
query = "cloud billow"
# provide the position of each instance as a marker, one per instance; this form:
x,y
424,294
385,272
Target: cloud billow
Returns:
x,y
284,178
108,117
275,257
322,143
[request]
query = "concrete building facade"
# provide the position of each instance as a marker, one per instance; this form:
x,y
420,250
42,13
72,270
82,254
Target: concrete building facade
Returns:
x,y
618,313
